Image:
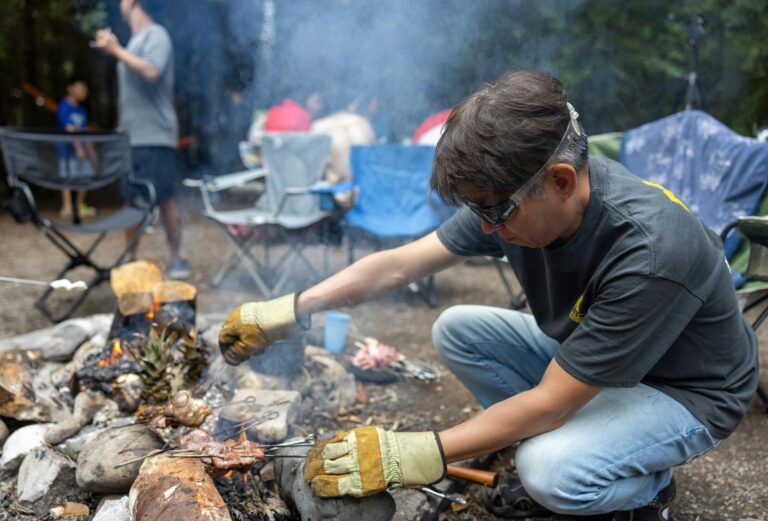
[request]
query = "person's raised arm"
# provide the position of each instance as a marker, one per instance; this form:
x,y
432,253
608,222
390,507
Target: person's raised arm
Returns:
x,y
254,326
377,274
106,40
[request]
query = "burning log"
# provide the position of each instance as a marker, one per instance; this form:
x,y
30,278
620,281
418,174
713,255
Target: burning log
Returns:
x,y
170,489
134,277
101,377
175,304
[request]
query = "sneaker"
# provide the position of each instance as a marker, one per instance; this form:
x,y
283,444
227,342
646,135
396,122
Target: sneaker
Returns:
x,y
87,211
178,270
656,510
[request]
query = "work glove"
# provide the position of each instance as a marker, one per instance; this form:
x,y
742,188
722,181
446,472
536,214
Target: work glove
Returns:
x,y
367,460
254,326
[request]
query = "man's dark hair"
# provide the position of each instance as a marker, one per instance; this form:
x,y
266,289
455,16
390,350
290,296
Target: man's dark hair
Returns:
x,y
499,137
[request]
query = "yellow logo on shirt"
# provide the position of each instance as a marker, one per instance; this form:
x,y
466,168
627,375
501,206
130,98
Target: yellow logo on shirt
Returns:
x,y
672,197
576,314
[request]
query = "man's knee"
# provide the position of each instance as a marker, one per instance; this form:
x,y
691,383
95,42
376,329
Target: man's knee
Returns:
x,y
553,475
449,330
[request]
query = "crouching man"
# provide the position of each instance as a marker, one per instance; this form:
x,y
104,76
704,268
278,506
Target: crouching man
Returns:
x,y
635,358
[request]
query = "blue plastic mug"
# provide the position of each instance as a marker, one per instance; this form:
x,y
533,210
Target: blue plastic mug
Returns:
x,y
335,330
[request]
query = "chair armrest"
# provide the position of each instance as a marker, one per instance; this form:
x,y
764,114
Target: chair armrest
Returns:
x,y
754,228
324,187
226,182
249,154
148,187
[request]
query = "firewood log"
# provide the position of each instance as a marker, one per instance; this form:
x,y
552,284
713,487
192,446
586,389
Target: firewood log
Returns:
x,y
171,489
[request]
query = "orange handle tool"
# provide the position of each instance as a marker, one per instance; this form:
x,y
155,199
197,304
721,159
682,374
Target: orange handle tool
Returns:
x,y
484,477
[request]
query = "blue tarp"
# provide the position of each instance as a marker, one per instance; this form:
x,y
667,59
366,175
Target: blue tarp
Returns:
x,y
394,198
719,174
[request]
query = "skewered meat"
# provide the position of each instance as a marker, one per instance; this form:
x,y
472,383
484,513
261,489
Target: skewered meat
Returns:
x,y
373,354
196,440
180,409
232,454
187,410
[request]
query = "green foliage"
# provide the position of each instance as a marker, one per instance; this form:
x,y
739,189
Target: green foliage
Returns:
x,y
624,62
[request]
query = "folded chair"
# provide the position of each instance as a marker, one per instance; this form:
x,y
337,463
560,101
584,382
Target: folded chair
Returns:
x,y
395,204
36,158
289,212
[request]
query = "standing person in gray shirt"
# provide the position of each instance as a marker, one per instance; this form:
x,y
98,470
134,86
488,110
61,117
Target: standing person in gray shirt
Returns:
x,y
146,113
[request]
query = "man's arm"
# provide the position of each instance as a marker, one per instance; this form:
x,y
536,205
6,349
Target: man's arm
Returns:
x,y
377,274
541,409
106,40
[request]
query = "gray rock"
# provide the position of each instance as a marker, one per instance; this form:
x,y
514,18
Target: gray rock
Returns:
x,y
290,477
59,342
96,470
4,432
47,395
112,508
334,388
87,403
61,376
411,504
74,445
20,443
46,478
284,403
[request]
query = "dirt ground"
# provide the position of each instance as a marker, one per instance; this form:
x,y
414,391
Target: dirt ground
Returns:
x,y
729,483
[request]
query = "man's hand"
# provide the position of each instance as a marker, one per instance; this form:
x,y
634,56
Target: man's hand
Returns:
x,y
367,460
105,39
254,326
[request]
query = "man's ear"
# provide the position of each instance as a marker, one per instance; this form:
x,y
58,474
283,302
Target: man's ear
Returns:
x,y
564,177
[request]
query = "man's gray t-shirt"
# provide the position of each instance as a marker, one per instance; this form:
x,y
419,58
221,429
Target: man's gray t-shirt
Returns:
x,y
145,108
641,293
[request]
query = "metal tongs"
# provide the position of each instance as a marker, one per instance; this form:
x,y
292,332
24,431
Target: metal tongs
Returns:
x,y
269,449
419,370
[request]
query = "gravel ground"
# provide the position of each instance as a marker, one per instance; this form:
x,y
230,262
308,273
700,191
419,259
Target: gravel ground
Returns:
x,y
728,483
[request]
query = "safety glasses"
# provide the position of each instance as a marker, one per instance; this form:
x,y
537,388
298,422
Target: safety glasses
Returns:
x,y
497,214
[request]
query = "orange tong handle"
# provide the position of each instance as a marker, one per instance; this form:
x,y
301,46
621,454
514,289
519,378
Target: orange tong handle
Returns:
x,y
484,477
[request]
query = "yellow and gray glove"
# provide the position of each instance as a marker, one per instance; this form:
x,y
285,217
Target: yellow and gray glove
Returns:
x,y
254,326
367,460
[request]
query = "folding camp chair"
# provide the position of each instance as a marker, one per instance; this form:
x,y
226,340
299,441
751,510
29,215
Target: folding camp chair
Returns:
x,y
294,165
36,158
752,277
394,204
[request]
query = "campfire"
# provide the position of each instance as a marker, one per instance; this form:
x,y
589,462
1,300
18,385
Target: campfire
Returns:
x,y
141,403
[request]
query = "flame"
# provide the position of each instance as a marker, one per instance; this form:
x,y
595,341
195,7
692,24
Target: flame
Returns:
x,y
115,356
245,477
228,475
153,309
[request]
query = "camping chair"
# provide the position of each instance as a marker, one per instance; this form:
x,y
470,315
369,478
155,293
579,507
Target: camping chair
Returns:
x,y
750,269
32,159
722,177
294,164
394,204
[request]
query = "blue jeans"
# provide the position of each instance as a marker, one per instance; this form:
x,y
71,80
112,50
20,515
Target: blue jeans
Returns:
x,y
616,453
